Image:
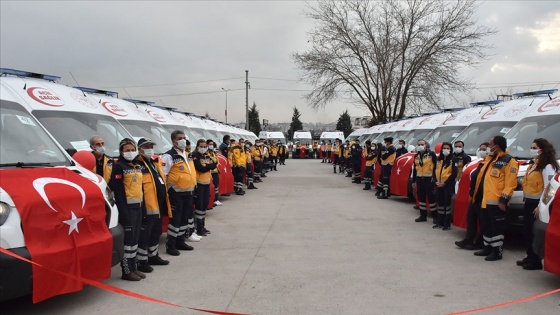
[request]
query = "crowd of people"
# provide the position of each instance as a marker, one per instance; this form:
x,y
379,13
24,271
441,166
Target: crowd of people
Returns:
x,y
434,178
177,184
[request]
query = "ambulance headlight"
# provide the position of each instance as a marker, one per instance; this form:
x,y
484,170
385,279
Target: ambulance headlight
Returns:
x,y
109,196
4,212
548,194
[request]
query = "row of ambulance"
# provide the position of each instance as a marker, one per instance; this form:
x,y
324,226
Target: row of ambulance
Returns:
x,y
43,124
520,120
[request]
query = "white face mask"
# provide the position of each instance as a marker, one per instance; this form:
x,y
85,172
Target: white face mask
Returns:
x,y
534,152
398,146
148,153
129,156
420,148
182,144
202,150
99,150
445,152
489,151
481,153
458,150
211,147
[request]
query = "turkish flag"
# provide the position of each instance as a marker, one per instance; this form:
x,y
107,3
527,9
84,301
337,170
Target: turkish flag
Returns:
x,y
400,173
363,167
376,173
461,205
226,176
63,222
552,239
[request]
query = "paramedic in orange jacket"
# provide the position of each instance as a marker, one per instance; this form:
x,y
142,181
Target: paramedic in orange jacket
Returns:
x,y
103,163
422,179
494,187
155,204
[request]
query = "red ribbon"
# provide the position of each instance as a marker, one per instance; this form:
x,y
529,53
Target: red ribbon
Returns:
x,y
112,288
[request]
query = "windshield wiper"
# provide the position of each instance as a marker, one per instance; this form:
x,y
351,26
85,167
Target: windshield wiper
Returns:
x,y
23,165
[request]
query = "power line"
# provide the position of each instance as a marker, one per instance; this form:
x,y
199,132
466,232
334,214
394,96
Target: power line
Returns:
x,y
168,84
286,90
185,94
275,79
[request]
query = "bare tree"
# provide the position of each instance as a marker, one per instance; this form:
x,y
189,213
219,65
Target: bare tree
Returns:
x,y
389,54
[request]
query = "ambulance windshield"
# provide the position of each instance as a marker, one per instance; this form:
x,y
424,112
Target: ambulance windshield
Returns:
x,y
24,140
72,130
522,135
477,133
444,134
146,129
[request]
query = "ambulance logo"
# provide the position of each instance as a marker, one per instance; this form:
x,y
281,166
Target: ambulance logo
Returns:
x,y
490,113
155,116
45,96
83,100
515,110
549,105
114,109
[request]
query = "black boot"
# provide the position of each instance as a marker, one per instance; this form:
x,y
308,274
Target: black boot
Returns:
x,y
157,261
251,186
484,252
200,227
368,186
144,266
334,169
496,254
447,222
170,246
181,245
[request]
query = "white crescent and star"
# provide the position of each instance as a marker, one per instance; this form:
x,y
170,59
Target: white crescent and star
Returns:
x,y
39,185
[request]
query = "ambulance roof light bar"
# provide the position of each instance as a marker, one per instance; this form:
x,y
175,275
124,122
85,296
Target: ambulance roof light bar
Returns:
x,y
97,91
535,93
27,74
490,103
138,101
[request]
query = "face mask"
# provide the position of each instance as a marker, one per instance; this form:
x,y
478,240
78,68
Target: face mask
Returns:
x,y
489,152
100,150
129,156
398,146
182,144
481,153
210,147
202,150
247,146
373,147
534,152
420,148
148,153
458,150
445,152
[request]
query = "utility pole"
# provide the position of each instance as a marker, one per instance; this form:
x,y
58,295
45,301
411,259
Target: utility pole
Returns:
x,y
226,101
246,99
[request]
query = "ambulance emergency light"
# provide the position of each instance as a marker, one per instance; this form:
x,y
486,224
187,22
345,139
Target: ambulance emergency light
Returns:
x,y
139,101
489,103
97,91
534,93
27,74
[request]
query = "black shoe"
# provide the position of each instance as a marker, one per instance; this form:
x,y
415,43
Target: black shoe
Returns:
x,y
495,255
465,244
536,265
240,193
251,187
144,267
366,188
446,228
263,175
436,226
421,219
157,261
181,245
172,252
522,261
200,232
485,252
382,197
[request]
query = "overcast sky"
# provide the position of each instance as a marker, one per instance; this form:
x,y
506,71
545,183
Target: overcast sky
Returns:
x,y
156,50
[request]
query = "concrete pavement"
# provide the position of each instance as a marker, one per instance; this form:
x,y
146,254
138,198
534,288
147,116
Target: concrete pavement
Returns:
x,y
310,242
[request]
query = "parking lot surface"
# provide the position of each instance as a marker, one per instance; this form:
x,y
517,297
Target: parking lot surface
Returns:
x,y
310,242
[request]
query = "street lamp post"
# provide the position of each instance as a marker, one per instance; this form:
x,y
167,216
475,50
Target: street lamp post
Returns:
x,y
226,100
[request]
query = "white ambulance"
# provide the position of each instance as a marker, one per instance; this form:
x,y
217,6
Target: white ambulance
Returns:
x,y
303,137
331,135
356,134
500,120
25,145
277,136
